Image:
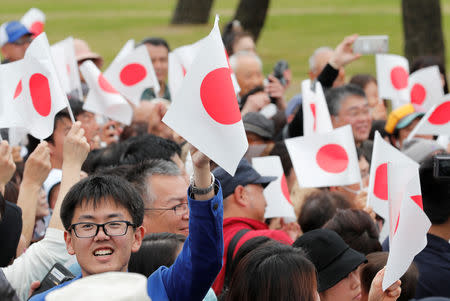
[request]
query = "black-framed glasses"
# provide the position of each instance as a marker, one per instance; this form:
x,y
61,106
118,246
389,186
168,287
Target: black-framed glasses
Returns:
x,y
112,228
179,209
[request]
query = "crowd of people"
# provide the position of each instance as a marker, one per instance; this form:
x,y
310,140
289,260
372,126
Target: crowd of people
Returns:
x,y
98,198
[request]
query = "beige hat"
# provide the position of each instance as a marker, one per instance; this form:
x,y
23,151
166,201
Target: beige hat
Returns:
x,y
83,52
111,286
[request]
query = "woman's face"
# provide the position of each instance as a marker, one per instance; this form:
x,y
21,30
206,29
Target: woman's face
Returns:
x,y
348,289
42,208
371,90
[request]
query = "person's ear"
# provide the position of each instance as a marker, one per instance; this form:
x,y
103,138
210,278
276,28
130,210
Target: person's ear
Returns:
x,y
335,121
69,243
138,237
240,196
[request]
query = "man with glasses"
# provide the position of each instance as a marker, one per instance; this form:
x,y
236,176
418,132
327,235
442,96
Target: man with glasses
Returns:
x,y
163,187
14,40
348,105
103,216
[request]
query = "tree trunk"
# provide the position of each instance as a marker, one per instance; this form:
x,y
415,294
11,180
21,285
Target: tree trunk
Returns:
x,y
423,29
252,14
192,12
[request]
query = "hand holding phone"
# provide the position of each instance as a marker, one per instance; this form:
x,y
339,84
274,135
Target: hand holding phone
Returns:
x,y
371,44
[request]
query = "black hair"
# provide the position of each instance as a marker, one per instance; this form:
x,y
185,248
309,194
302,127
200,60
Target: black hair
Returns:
x,y
357,229
77,106
155,41
280,149
318,208
378,125
157,249
2,207
361,80
145,147
136,128
103,157
375,262
435,193
98,189
273,272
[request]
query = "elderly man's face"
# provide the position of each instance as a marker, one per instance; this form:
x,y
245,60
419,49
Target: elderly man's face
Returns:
x,y
355,111
160,60
248,74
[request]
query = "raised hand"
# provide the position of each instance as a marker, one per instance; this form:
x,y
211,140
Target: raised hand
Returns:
x,y
376,292
37,166
7,165
343,54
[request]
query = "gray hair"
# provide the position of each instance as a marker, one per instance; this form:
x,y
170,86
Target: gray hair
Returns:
x,y
336,96
312,58
244,53
140,175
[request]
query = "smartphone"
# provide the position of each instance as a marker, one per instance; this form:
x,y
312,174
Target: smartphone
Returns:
x,y
441,167
371,44
57,275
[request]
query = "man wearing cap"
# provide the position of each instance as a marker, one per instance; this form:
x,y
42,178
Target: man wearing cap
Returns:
x,y
259,129
244,207
401,122
14,41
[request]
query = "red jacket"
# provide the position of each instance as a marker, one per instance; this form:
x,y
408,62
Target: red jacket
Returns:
x,y
234,224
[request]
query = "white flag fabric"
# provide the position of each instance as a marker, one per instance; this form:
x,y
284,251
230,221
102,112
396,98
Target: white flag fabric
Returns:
x,y
34,21
325,159
31,94
382,153
276,193
207,114
102,98
132,73
392,78
425,86
126,49
435,122
410,224
316,117
63,53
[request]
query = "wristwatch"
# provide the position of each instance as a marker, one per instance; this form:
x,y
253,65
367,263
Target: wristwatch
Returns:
x,y
202,191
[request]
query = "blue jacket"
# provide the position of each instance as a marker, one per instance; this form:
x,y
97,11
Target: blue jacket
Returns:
x,y
198,264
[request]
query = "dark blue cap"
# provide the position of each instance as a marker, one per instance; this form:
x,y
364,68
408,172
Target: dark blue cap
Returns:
x,y
245,174
11,32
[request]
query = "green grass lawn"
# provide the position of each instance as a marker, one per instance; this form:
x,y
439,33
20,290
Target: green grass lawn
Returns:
x,y
293,29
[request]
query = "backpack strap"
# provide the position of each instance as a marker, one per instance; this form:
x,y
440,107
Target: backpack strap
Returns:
x,y
231,247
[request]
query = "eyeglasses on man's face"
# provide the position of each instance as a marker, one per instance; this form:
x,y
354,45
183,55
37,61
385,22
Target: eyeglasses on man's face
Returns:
x,y
112,228
179,209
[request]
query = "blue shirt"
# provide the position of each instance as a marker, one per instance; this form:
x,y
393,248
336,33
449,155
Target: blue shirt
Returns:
x,y
198,264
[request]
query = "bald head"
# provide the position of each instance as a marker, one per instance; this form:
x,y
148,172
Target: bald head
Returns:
x,y
247,67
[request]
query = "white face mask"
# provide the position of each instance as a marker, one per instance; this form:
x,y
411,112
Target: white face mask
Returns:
x,y
365,189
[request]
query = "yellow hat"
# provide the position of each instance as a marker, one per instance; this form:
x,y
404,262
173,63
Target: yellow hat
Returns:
x,y
401,117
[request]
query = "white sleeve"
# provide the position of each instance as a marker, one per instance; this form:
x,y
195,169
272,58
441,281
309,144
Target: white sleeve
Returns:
x,y
36,262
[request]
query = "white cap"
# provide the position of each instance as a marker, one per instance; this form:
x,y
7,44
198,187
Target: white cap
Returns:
x,y
111,286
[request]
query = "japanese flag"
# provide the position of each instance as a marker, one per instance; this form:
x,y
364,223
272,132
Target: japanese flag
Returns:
x,y
425,88
436,121
276,193
382,154
325,159
180,62
392,78
132,72
102,98
316,117
207,115
409,224
34,20
63,54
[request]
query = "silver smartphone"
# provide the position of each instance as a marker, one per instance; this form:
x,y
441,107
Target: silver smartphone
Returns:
x,y
371,44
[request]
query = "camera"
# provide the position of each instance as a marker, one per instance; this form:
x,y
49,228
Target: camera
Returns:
x,y
278,71
441,167
57,275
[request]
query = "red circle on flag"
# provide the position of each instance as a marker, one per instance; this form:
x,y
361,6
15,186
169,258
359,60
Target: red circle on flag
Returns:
x,y
418,200
399,78
105,85
285,189
131,74
418,94
380,187
37,28
441,115
332,158
18,89
40,94
218,98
